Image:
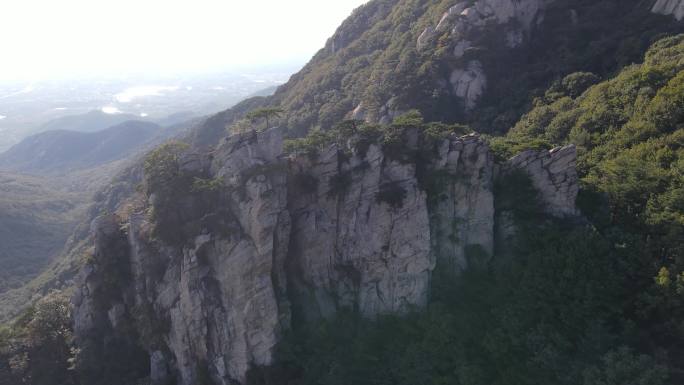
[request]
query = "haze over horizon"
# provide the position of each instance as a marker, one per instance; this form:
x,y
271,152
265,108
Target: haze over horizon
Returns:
x,y
47,40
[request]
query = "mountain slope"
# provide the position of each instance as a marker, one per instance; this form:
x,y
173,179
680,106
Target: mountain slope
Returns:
x,y
36,218
63,151
295,265
89,122
402,253
478,61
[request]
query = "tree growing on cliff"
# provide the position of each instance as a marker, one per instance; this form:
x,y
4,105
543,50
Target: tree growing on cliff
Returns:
x,y
266,113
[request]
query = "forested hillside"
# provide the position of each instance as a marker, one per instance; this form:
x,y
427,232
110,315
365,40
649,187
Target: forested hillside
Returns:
x,y
63,151
375,59
594,303
36,218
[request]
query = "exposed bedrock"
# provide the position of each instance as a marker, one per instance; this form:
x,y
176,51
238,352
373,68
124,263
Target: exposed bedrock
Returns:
x,y
292,236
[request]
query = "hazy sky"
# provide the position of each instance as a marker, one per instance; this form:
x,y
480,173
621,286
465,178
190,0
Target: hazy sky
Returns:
x,y
50,38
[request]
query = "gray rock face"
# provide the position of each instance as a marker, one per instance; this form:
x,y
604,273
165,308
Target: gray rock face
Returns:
x,y
466,20
462,215
522,11
358,113
349,228
389,111
450,15
219,292
669,7
221,295
427,34
469,83
353,249
554,175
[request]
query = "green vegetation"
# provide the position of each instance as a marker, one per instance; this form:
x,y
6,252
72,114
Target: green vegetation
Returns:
x,y
372,61
37,348
264,113
167,184
568,303
162,168
200,185
629,132
594,301
356,136
551,314
37,215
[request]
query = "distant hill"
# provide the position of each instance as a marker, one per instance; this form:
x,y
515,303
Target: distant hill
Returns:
x,y
176,118
62,151
265,92
89,122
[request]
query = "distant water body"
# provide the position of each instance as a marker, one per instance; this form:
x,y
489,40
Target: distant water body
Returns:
x,y
111,110
130,94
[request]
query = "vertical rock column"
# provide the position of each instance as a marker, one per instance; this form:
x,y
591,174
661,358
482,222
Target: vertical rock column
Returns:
x,y
360,237
462,209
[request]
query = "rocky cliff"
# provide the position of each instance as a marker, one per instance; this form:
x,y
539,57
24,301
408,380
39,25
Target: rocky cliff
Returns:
x,y
466,22
205,288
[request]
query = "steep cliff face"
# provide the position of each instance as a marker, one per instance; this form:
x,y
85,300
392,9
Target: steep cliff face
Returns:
x,y
349,247
208,291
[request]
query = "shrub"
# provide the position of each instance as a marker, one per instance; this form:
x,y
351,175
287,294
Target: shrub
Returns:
x,y
200,185
161,166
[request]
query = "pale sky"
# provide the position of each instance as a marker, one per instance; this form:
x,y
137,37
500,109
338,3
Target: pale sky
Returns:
x,y
55,38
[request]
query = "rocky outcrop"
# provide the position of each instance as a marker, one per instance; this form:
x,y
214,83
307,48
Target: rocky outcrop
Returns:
x,y
465,22
217,291
384,115
553,174
352,248
358,113
462,213
669,7
469,83
358,227
427,34
221,291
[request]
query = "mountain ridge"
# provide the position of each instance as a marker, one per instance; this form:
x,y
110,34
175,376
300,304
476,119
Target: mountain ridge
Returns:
x,y
61,151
